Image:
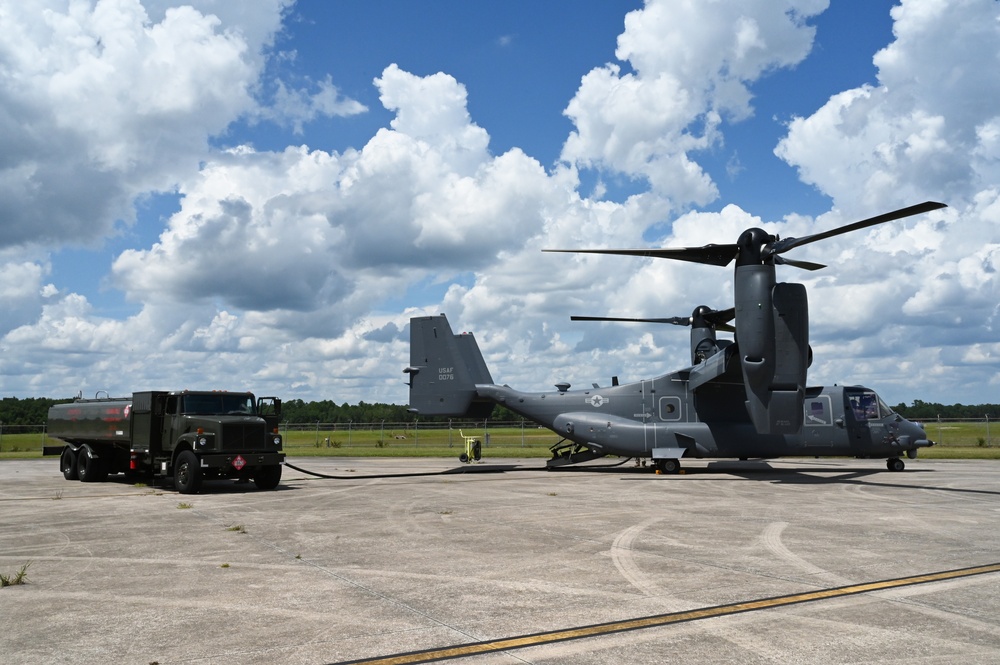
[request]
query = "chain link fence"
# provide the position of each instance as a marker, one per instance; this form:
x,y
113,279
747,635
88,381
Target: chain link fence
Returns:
x,y
427,437
417,436
313,438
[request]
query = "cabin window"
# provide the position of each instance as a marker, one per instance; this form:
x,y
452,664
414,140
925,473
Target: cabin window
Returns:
x,y
670,408
818,410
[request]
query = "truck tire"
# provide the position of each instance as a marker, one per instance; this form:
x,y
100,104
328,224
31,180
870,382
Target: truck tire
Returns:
x,y
187,473
67,461
89,467
267,477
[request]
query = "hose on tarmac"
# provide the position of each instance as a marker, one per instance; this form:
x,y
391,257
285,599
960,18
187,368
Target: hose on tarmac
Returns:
x,y
415,474
470,469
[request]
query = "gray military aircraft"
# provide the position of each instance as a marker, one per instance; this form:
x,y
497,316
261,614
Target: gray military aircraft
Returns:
x,y
745,398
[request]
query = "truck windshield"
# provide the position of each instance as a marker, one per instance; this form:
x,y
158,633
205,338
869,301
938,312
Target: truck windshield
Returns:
x,y
218,404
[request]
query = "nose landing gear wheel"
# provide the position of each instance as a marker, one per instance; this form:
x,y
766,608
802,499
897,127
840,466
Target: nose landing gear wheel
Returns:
x,y
895,464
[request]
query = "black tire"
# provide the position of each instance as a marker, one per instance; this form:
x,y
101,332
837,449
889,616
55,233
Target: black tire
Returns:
x,y
89,467
463,458
895,464
187,473
267,477
669,466
67,461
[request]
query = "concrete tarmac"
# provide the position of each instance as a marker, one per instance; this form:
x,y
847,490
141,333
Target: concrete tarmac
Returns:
x,y
367,566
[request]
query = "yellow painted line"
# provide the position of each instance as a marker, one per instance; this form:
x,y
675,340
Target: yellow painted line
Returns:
x,y
595,630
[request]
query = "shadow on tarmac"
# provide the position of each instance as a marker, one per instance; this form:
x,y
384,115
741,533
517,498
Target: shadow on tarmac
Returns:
x,y
208,486
732,470
760,471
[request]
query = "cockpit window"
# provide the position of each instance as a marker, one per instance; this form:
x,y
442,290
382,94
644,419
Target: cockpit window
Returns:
x,y
883,407
867,405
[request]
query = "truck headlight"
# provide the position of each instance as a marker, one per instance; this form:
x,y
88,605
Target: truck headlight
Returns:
x,y
277,440
202,440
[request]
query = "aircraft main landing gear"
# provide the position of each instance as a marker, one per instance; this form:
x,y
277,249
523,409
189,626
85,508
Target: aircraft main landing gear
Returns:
x,y
895,464
668,466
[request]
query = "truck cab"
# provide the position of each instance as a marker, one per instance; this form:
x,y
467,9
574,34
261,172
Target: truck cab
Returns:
x,y
194,435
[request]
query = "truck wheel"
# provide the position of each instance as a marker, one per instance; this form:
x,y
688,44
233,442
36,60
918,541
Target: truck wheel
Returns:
x,y
187,473
267,477
89,467
68,463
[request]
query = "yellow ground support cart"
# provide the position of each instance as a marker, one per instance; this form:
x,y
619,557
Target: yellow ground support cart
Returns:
x,y
473,449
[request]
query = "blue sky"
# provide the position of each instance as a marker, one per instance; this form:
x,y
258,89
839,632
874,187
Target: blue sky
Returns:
x,y
260,196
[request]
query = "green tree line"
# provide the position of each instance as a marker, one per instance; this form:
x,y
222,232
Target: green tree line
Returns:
x,y
328,411
29,411
33,411
921,410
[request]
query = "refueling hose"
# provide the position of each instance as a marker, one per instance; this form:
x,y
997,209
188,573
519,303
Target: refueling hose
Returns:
x,y
457,470
446,472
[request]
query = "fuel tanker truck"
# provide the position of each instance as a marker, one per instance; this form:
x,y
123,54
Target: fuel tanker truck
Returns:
x,y
187,436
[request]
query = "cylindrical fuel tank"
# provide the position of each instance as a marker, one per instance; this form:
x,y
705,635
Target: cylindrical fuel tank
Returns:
x,y
91,420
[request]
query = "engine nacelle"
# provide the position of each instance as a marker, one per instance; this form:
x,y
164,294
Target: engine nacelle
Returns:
x,y
772,329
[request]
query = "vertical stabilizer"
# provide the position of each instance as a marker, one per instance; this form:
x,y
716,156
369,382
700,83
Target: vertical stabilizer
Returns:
x,y
444,370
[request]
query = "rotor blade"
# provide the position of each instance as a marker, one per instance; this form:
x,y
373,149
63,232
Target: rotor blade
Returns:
x,y
786,244
716,255
718,318
676,320
805,265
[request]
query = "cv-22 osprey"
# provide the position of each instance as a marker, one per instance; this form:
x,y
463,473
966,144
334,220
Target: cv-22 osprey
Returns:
x,y
745,398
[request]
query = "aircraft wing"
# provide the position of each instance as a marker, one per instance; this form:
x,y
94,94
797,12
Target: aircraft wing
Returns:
x,y
725,363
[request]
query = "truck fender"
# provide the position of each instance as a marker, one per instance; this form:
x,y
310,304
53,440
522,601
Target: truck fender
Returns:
x,y
179,447
189,441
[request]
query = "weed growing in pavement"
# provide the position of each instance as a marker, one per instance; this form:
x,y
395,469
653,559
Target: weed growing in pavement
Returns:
x,y
20,577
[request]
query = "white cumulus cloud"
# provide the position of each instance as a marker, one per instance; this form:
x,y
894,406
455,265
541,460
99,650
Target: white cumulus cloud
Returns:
x,y
299,267
691,67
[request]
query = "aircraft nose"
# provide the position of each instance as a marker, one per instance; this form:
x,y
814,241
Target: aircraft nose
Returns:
x,y
917,436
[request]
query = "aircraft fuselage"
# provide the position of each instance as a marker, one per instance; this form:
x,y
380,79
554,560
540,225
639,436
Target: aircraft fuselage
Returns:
x,y
661,418
700,411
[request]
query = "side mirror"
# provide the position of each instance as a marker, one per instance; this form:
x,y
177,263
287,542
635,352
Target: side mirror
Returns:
x,y
269,406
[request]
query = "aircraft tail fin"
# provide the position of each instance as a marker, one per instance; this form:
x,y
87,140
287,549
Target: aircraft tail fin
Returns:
x,y
444,370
